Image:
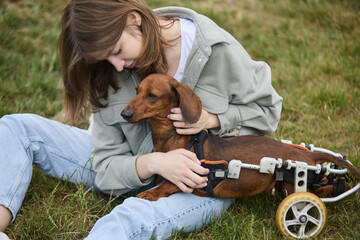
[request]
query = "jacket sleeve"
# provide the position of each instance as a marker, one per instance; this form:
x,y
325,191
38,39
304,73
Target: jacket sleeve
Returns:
x,y
114,160
253,106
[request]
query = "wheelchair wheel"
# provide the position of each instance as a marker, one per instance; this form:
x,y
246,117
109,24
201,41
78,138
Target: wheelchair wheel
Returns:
x,y
301,215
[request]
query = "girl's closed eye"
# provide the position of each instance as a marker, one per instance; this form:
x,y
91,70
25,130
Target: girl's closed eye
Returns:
x,y
117,53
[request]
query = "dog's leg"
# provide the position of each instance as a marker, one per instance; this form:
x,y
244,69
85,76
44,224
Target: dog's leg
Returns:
x,y
165,190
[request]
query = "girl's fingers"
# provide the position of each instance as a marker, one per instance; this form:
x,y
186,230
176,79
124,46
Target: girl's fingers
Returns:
x,y
175,115
185,188
175,110
199,170
189,183
187,153
188,174
195,166
183,127
187,131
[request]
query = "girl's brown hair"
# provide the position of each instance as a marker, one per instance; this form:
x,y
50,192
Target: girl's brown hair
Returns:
x,y
91,27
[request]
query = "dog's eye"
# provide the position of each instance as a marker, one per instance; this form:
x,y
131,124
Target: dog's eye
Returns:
x,y
151,96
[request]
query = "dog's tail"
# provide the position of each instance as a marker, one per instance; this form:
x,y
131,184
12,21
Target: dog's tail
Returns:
x,y
321,157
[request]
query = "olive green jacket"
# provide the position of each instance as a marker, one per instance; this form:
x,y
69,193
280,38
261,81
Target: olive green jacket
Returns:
x,y
220,71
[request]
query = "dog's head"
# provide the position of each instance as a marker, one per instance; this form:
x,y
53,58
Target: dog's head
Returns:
x,y
157,94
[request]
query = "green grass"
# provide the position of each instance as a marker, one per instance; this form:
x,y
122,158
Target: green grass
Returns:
x,y
313,49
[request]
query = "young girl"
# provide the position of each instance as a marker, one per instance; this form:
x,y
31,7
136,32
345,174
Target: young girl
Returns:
x,y
107,47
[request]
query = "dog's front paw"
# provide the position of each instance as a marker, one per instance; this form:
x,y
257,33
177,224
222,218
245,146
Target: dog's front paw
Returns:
x,y
148,195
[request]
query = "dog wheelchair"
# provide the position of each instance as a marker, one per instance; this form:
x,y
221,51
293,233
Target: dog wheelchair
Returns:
x,y
302,214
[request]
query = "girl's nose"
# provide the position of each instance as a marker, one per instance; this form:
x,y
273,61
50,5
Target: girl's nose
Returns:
x,y
117,63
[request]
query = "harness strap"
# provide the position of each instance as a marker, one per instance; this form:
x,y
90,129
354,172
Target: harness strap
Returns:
x,y
315,181
306,148
218,172
338,181
197,141
218,169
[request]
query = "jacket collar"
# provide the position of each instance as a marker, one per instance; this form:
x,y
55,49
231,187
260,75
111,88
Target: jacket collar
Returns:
x,y
207,32
207,35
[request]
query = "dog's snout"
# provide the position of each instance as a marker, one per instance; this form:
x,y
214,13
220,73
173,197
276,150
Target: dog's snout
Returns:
x,y
127,114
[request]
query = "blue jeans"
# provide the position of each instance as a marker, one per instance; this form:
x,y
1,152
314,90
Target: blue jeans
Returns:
x,y
64,152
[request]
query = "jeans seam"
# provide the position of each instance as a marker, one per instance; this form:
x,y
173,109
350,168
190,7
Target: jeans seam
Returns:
x,y
171,219
52,149
11,195
83,168
59,153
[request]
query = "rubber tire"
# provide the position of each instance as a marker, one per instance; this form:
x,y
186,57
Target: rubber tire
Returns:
x,y
301,198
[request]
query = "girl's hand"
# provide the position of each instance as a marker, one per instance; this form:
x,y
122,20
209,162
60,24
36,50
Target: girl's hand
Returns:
x,y
179,166
206,121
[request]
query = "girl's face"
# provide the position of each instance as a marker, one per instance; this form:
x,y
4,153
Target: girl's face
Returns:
x,y
126,50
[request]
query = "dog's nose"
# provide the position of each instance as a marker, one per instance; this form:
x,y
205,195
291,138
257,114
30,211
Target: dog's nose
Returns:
x,y
127,114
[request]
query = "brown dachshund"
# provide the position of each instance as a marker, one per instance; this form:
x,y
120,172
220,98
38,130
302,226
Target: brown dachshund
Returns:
x,y
158,93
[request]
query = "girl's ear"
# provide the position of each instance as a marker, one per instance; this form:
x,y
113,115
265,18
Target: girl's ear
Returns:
x,y
189,103
134,18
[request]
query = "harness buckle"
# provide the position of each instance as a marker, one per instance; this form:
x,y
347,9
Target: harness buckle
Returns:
x,y
234,169
268,165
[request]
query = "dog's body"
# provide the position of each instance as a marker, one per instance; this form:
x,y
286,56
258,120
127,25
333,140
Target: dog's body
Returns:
x,y
158,93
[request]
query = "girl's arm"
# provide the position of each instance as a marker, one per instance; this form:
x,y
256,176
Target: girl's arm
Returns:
x,y
120,169
179,166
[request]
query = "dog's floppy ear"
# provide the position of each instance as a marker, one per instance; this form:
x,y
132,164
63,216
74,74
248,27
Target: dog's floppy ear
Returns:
x,y
189,102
